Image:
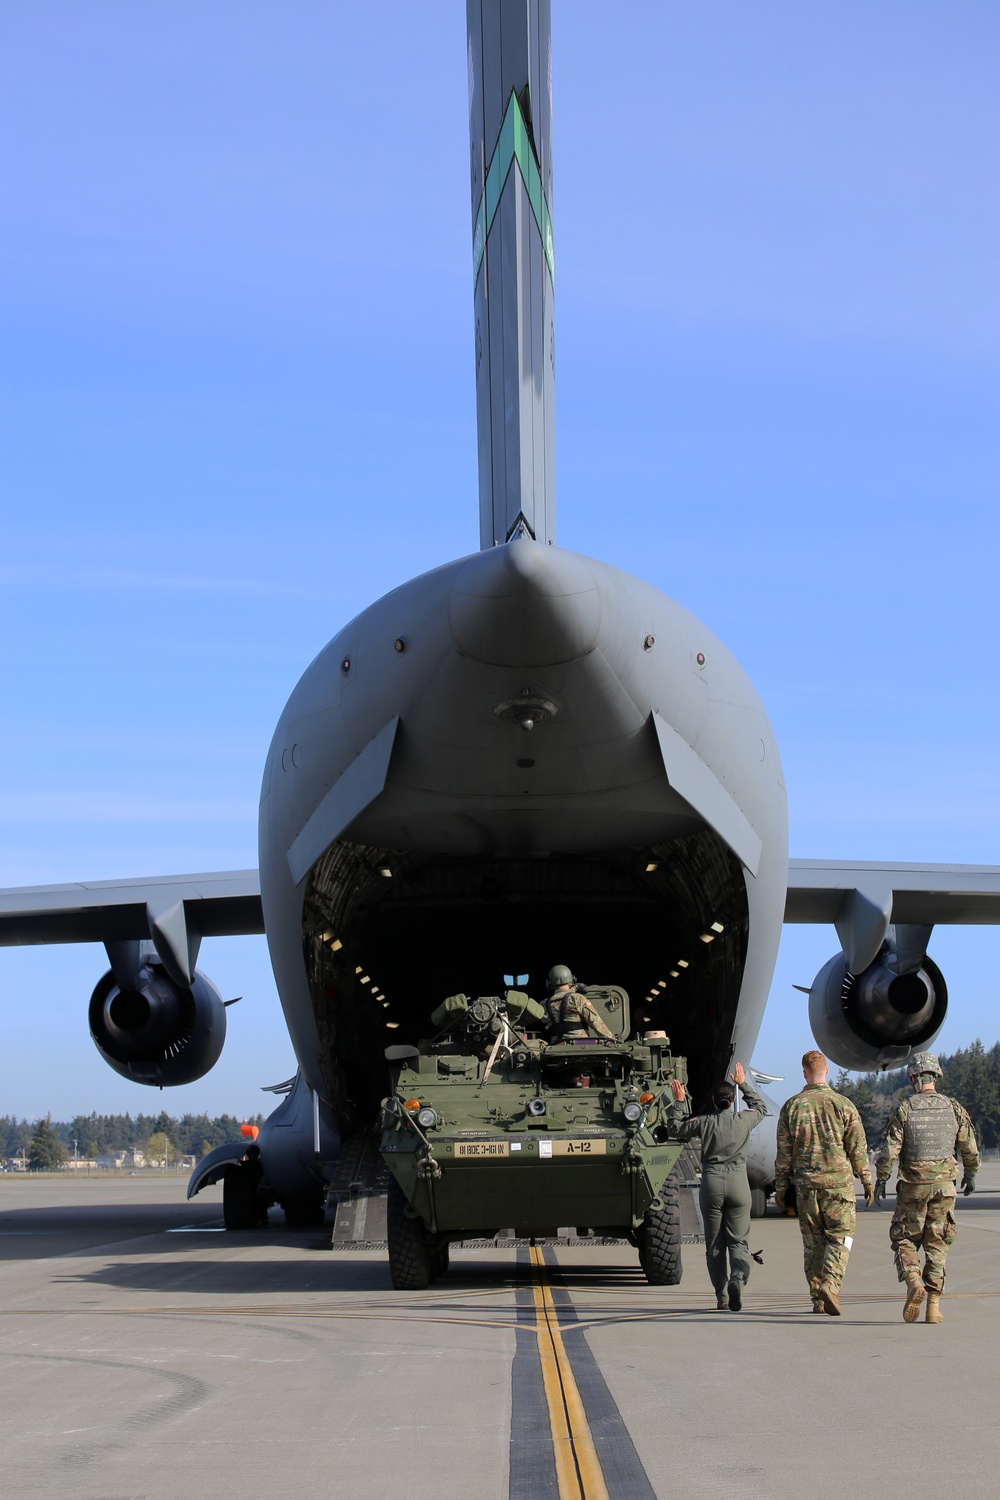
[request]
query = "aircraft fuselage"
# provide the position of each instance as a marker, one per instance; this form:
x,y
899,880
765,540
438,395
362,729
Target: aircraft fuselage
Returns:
x,y
522,757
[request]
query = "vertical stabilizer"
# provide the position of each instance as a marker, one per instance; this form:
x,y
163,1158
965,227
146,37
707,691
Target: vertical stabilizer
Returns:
x,y
510,126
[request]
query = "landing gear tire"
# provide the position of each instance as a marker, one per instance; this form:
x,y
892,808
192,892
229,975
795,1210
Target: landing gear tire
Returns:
x,y
439,1261
241,1204
660,1238
409,1256
304,1213
758,1203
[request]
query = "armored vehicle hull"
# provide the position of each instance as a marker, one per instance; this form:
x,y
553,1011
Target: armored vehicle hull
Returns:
x,y
520,1134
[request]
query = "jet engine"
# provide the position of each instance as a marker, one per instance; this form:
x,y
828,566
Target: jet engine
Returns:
x,y
878,1018
153,1031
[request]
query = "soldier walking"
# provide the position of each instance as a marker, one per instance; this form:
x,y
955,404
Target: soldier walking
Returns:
x,y
927,1133
822,1148
568,1011
724,1195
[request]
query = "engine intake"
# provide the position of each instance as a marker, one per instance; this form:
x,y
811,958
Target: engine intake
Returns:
x,y
153,1031
878,1018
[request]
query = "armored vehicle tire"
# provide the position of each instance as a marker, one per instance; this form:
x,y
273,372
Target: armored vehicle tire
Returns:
x,y
240,1206
304,1213
660,1239
409,1257
758,1203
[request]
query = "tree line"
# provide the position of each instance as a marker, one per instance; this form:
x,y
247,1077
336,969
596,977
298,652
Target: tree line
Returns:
x,y
161,1136
971,1075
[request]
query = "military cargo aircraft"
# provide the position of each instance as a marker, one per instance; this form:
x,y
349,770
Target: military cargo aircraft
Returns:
x,y
524,755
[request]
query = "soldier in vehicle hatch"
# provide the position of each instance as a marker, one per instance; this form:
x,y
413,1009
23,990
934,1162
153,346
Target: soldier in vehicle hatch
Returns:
x,y
568,1012
822,1148
927,1133
724,1196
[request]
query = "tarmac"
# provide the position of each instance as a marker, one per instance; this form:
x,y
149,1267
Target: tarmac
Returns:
x,y
146,1354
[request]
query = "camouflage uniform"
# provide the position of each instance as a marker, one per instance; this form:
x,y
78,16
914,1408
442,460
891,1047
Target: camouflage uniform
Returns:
x,y
925,1192
569,1014
822,1148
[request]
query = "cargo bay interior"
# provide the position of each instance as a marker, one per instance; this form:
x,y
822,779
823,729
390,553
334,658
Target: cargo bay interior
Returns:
x,y
388,935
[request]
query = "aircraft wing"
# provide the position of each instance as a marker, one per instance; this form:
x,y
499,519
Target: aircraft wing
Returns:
x,y
863,898
99,911
174,911
926,894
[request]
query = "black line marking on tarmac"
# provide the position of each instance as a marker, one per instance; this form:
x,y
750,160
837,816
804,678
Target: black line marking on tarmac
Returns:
x,y
624,1475
532,1456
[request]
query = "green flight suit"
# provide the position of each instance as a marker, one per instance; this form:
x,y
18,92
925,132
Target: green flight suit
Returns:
x,y
724,1196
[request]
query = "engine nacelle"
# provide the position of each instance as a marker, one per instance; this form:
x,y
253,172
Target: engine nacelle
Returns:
x,y
878,1018
155,1032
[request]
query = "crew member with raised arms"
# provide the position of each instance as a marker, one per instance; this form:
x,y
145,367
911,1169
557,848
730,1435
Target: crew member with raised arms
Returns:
x,y
724,1195
927,1134
822,1148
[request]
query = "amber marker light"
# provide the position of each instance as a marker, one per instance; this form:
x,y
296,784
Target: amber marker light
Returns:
x,y
646,1098
249,1132
411,1103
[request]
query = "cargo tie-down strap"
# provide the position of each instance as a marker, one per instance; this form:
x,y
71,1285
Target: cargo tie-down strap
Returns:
x,y
503,1040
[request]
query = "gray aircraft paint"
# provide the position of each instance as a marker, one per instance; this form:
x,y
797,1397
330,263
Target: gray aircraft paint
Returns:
x,y
574,632
510,127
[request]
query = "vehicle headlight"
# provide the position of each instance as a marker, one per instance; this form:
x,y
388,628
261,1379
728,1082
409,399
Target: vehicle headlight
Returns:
x,y
426,1117
632,1113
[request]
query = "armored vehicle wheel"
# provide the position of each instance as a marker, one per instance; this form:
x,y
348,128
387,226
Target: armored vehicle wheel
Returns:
x,y
660,1238
439,1261
758,1203
409,1257
240,1208
304,1213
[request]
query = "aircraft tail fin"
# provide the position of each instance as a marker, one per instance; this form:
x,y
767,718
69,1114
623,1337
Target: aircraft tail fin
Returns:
x,y
510,126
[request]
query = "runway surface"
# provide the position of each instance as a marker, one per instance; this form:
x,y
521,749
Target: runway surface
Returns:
x,y
145,1354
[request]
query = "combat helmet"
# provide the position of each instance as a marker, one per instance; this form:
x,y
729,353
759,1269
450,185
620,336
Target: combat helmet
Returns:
x,y
559,974
924,1062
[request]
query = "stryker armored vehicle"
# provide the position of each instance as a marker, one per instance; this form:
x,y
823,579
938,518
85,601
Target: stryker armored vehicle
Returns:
x,y
491,1127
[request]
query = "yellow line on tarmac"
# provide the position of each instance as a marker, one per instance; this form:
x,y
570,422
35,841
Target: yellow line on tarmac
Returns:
x,y
578,1470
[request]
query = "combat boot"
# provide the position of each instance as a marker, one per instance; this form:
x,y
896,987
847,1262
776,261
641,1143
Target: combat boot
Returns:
x,y
828,1300
914,1297
934,1313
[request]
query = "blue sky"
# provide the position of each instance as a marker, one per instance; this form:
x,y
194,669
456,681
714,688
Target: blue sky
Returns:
x,y
238,405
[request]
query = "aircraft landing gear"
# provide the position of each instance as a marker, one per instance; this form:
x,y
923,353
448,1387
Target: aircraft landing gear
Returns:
x,y
304,1213
242,1205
